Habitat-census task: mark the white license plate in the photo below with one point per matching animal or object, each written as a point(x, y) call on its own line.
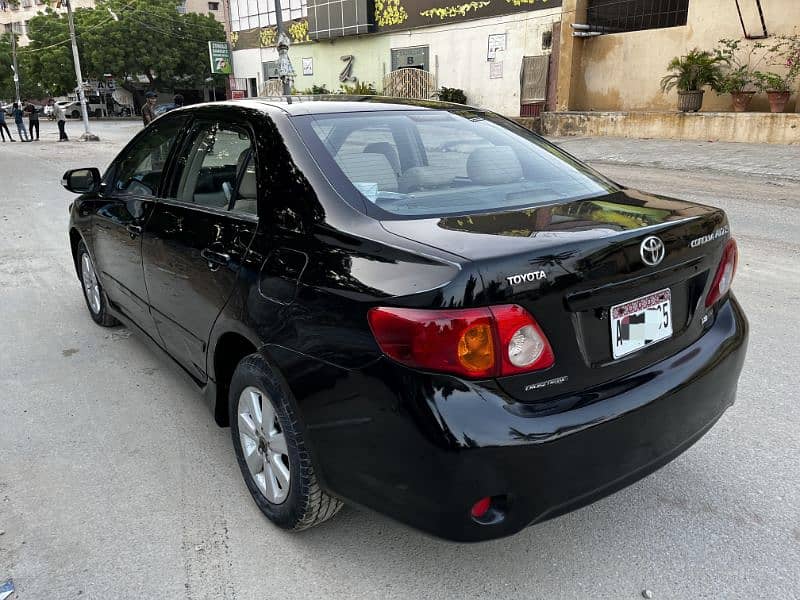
point(640, 323)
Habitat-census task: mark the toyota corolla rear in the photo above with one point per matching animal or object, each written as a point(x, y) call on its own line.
point(597, 339)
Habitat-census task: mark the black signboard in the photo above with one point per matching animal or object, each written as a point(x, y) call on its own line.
point(394, 15)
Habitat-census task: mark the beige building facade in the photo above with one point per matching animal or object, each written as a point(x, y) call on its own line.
point(622, 71)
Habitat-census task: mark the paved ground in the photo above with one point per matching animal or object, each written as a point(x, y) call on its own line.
point(115, 483)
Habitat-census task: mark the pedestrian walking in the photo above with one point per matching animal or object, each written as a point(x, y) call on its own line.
point(61, 119)
point(33, 120)
point(148, 110)
point(18, 115)
point(3, 127)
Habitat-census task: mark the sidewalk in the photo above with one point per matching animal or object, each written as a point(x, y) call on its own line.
point(759, 160)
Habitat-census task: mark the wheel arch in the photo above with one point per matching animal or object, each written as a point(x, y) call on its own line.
point(228, 349)
point(75, 238)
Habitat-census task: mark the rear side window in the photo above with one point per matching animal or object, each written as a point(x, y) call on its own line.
point(435, 163)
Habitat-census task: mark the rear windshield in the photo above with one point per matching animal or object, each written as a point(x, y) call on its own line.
point(433, 163)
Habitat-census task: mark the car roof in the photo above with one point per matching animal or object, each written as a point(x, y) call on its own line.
point(342, 103)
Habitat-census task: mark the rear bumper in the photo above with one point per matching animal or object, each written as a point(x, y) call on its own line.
point(422, 449)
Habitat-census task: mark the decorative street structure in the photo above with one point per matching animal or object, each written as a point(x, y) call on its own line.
point(284, 63)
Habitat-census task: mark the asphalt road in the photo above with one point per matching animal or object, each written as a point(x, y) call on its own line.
point(115, 483)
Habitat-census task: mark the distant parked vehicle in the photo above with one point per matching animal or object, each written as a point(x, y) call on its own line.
point(72, 108)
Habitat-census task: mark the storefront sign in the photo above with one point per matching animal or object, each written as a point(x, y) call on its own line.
point(394, 15)
point(220, 55)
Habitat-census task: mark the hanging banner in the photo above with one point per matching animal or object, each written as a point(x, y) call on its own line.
point(220, 55)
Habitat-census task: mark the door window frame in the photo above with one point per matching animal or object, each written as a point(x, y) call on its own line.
point(172, 174)
point(110, 176)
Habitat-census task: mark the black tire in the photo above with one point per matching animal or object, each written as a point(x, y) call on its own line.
point(306, 505)
point(100, 316)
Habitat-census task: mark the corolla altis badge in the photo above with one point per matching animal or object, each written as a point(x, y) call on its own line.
point(545, 384)
point(523, 277)
point(704, 239)
point(652, 250)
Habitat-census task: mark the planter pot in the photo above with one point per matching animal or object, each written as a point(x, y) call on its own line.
point(741, 100)
point(778, 100)
point(690, 101)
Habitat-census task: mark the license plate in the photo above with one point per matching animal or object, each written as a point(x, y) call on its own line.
point(640, 323)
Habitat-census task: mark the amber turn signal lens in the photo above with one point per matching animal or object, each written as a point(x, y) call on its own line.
point(475, 348)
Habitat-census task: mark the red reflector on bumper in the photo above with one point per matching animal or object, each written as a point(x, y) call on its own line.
point(481, 507)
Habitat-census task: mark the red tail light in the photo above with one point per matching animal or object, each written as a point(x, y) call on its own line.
point(478, 343)
point(725, 272)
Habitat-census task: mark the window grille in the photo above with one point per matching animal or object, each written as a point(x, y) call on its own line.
point(612, 16)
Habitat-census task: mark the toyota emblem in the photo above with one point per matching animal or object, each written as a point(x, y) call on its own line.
point(652, 250)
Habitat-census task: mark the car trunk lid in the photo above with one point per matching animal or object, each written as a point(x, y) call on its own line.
point(568, 264)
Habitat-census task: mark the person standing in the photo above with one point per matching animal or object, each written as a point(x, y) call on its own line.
point(177, 101)
point(3, 127)
point(61, 119)
point(19, 120)
point(33, 120)
point(148, 110)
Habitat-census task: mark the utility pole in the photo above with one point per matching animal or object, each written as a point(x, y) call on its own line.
point(14, 61)
point(87, 136)
point(284, 64)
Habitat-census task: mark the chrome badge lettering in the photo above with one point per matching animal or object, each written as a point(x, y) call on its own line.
point(696, 243)
point(548, 383)
point(526, 277)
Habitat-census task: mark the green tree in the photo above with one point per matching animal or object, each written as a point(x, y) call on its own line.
point(148, 38)
point(28, 87)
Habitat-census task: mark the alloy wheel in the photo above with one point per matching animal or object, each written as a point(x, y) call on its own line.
point(263, 444)
point(91, 287)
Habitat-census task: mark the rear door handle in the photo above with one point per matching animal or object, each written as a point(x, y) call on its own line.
point(134, 230)
point(215, 259)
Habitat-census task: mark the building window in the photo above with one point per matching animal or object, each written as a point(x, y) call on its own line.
point(614, 16)
point(250, 14)
point(213, 6)
point(181, 8)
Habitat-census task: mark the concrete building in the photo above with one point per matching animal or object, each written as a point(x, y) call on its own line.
point(17, 13)
point(484, 50)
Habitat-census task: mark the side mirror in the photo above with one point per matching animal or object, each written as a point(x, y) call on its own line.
point(81, 181)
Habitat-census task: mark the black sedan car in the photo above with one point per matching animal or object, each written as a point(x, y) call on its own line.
point(420, 308)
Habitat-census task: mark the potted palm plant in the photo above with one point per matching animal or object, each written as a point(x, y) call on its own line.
point(690, 74)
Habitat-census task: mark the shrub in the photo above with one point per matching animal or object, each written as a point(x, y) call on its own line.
point(456, 95)
point(738, 65)
point(359, 89)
